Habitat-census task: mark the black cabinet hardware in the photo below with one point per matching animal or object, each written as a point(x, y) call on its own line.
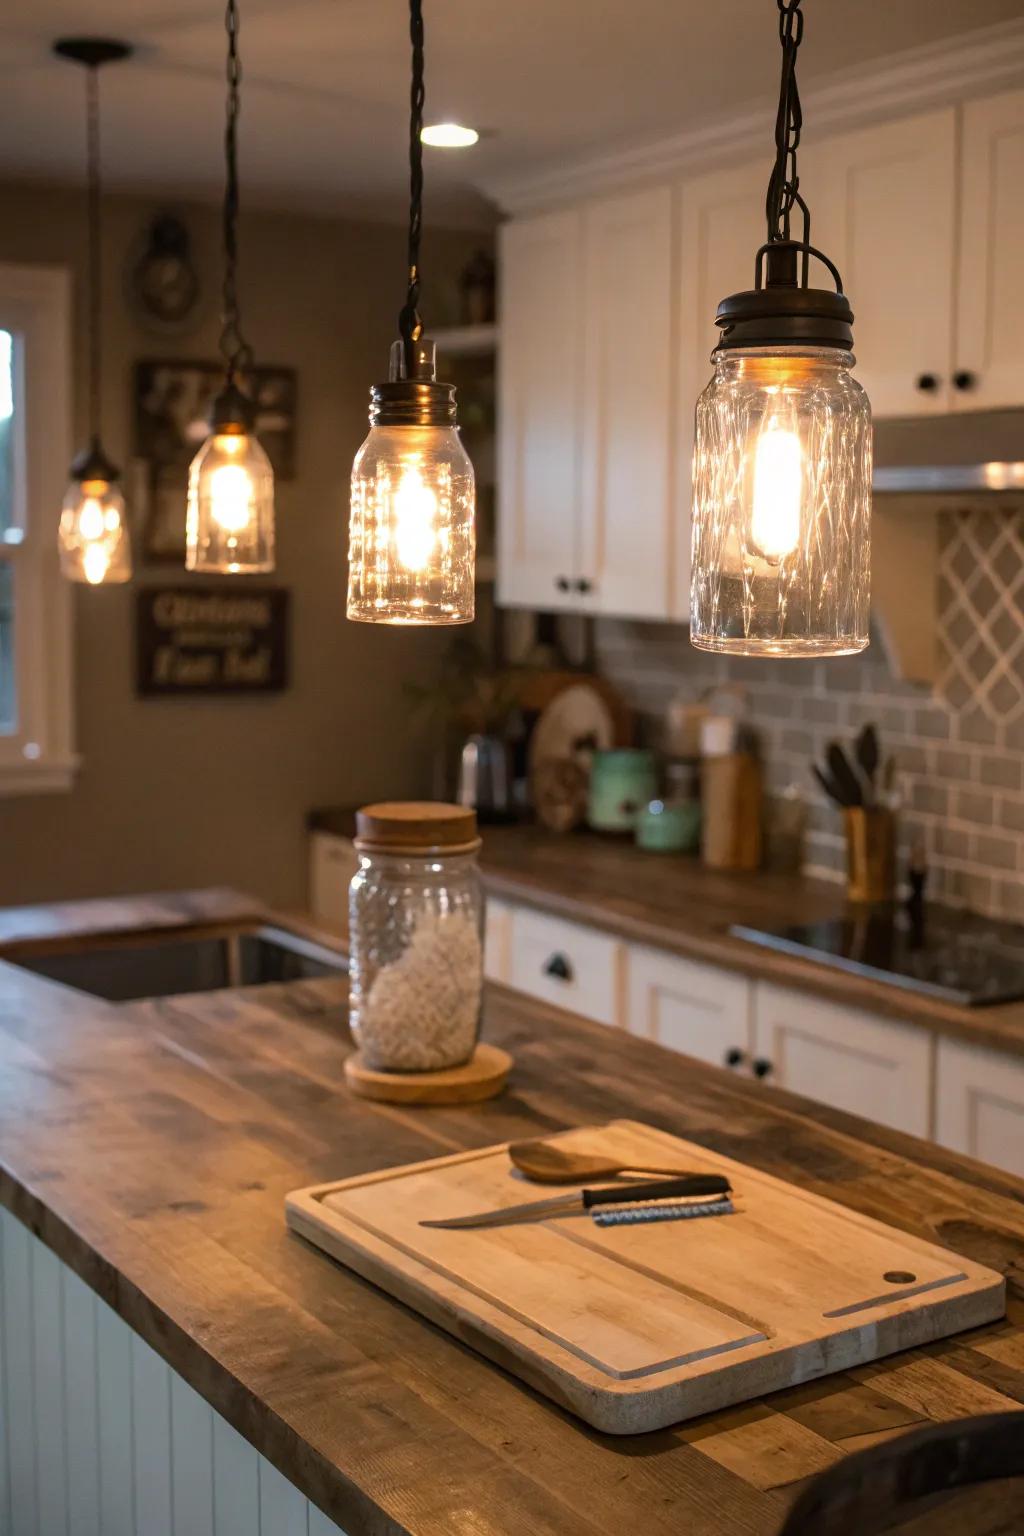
point(734, 1057)
point(558, 966)
point(964, 379)
point(562, 583)
point(762, 1067)
point(928, 382)
point(584, 584)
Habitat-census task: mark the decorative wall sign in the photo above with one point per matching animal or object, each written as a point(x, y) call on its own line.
point(171, 405)
point(211, 639)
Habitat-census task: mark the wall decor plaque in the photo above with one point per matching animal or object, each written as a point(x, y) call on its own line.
point(211, 639)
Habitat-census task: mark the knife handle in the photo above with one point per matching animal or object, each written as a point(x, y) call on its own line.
point(663, 1189)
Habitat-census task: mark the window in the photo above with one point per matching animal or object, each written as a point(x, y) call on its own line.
point(35, 670)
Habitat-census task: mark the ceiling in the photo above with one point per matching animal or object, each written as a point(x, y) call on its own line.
point(326, 87)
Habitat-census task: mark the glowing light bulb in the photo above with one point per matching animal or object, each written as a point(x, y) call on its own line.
point(778, 484)
point(95, 563)
point(91, 521)
point(415, 519)
point(231, 498)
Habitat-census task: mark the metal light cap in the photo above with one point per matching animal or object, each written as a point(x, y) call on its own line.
point(412, 397)
point(232, 410)
point(92, 51)
point(785, 317)
point(92, 464)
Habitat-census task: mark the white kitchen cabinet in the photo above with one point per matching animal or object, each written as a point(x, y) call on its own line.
point(883, 207)
point(628, 527)
point(540, 371)
point(567, 964)
point(699, 1009)
point(332, 863)
point(587, 517)
point(989, 358)
point(979, 1104)
point(853, 1060)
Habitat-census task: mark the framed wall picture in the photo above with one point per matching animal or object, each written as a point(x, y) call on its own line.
point(225, 638)
point(170, 408)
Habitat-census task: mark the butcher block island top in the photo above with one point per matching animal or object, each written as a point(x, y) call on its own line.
point(151, 1145)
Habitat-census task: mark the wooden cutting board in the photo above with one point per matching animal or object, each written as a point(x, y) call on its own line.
point(636, 1327)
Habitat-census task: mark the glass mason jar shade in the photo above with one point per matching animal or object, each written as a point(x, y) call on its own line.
point(781, 505)
point(93, 535)
point(229, 525)
point(412, 532)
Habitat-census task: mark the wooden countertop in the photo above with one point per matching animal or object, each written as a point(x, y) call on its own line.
point(672, 902)
point(151, 1147)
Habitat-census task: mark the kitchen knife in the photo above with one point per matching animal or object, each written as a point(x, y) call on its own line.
point(586, 1199)
point(843, 774)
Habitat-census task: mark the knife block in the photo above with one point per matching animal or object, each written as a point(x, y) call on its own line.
point(731, 799)
point(870, 853)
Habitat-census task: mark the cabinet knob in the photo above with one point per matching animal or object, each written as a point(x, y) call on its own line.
point(964, 379)
point(558, 966)
point(562, 583)
point(734, 1057)
point(584, 584)
point(762, 1066)
point(928, 383)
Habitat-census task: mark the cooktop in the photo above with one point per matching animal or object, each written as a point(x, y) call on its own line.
point(954, 955)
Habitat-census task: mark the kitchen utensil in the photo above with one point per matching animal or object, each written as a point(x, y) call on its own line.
point(689, 1186)
point(867, 754)
point(485, 780)
point(844, 774)
point(679, 1210)
point(834, 791)
point(552, 1162)
point(621, 782)
point(634, 1330)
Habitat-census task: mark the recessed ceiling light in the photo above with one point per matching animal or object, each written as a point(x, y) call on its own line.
point(448, 136)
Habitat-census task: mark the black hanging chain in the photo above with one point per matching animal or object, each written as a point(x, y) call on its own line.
point(784, 186)
point(234, 348)
point(95, 194)
point(410, 326)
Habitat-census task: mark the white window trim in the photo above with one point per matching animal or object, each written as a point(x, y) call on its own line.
point(39, 757)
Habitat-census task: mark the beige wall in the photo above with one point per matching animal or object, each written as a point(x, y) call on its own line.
point(175, 793)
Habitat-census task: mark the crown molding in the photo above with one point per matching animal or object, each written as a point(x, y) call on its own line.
point(988, 60)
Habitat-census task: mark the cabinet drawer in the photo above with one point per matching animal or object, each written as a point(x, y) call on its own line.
point(568, 965)
point(497, 940)
point(690, 1007)
point(979, 1105)
point(845, 1057)
point(332, 863)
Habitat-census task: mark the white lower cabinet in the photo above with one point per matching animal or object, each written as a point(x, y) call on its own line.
point(568, 964)
point(497, 940)
point(841, 1056)
point(332, 863)
point(979, 1104)
point(690, 1007)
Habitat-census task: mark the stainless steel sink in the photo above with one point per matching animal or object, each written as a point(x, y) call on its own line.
point(121, 972)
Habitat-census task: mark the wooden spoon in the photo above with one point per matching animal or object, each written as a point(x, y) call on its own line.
point(547, 1164)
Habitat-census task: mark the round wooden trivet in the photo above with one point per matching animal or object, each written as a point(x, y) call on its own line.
point(481, 1077)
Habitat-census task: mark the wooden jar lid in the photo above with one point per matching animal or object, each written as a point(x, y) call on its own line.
point(416, 827)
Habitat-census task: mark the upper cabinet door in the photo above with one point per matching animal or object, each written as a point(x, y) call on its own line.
point(990, 319)
point(627, 524)
point(540, 369)
point(882, 206)
point(721, 225)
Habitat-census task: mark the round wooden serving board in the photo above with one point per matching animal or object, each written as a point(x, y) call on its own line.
point(481, 1077)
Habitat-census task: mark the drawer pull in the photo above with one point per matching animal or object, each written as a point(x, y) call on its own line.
point(559, 967)
point(762, 1066)
point(734, 1057)
point(927, 383)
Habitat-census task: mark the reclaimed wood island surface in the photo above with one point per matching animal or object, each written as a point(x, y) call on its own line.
point(149, 1147)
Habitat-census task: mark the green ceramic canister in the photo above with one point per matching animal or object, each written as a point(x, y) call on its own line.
point(622, 782)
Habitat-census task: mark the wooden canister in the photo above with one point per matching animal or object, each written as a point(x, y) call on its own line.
point(870, 853)
point(731, 800)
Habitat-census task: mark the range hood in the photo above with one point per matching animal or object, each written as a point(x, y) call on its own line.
point(960, 453)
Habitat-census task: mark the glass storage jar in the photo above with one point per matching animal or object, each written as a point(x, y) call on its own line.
point(416, 919)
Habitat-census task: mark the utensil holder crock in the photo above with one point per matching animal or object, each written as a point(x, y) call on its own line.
point(870, 853)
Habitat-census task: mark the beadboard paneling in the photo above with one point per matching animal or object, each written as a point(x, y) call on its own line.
point(99, 1437)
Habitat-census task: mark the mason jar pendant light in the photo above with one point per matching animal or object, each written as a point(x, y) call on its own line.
point(782, 452)
point(412, 533)
point(229, 526)
point(92, 537)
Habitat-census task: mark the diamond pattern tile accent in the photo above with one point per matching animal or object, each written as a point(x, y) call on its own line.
point(981, 618)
